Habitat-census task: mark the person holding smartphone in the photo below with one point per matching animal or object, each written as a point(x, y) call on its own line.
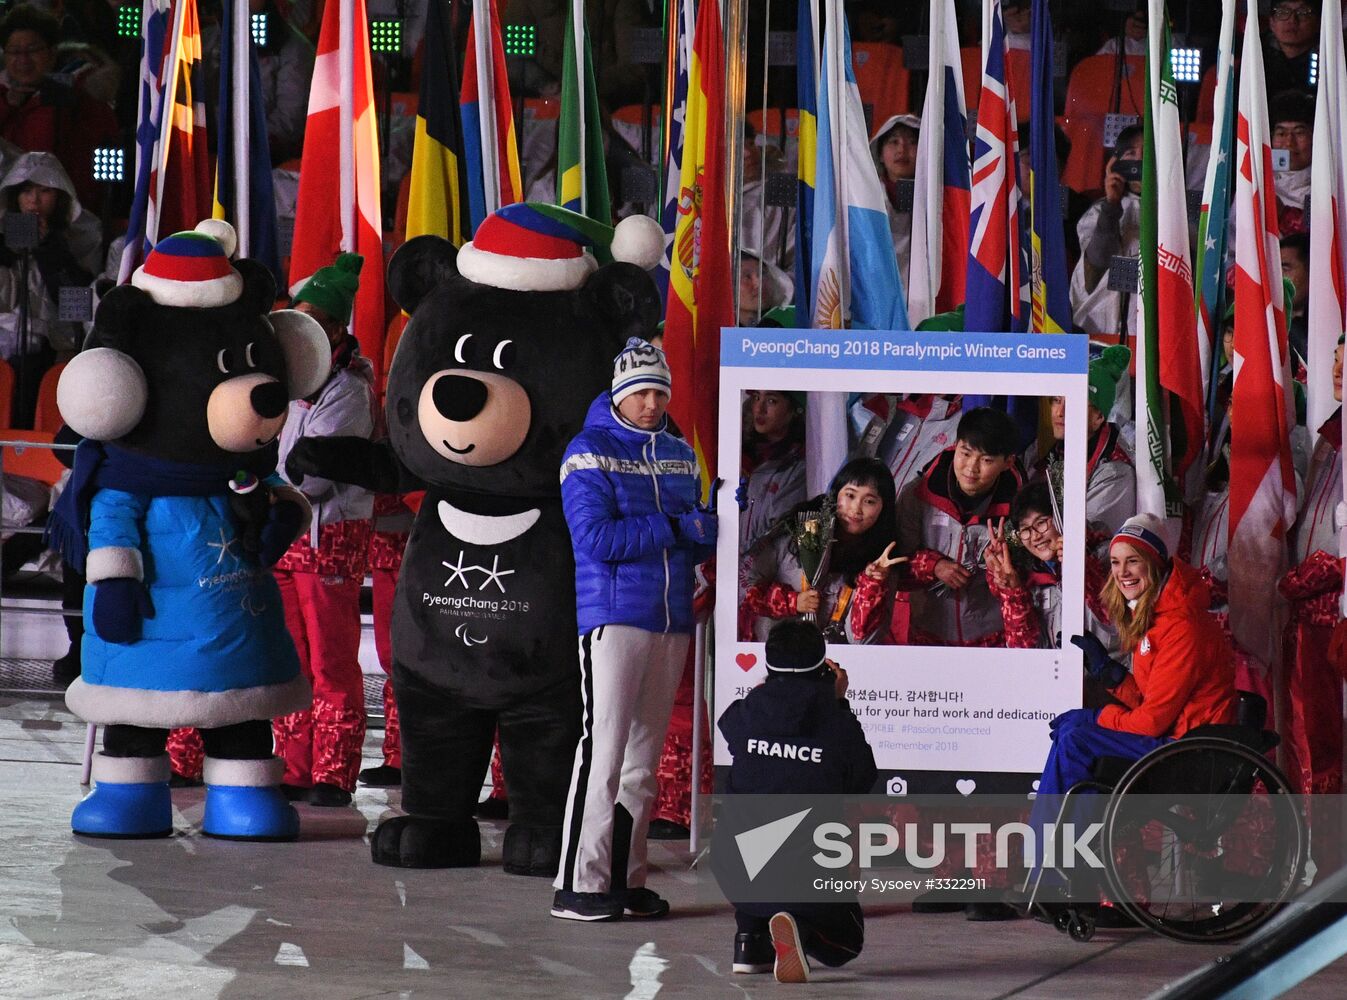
point(1109, 228)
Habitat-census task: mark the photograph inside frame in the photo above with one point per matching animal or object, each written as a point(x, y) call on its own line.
point(940, 521)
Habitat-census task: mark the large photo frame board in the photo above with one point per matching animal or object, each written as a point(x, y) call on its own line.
point(939, 718)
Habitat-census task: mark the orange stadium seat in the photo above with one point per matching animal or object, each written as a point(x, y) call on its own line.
point(48, 417)
point(35, 463)
point(1089, 98)
point(882, 80)
point(1021, 78)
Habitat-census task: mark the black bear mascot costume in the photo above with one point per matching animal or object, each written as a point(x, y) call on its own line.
point(180, 395)
point(510, 339)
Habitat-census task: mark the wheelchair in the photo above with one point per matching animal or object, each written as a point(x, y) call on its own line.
point(1201, 839)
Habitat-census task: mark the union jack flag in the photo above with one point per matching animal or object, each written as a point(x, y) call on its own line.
point(996, 272)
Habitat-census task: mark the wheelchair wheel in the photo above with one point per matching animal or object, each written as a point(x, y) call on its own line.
point(1202, 840)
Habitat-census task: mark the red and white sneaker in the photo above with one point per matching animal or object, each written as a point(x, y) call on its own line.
point(791, 964)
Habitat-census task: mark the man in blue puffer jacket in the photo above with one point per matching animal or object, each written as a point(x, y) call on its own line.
point(630, 491)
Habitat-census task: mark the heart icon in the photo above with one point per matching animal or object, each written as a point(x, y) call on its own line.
point(965, 786)
point(746, 661)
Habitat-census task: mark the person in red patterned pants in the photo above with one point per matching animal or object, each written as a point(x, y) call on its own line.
point(392, 523)
point(321, 575)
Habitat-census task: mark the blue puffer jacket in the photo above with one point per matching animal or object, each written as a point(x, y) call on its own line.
point(216, 651)
point(619, 485)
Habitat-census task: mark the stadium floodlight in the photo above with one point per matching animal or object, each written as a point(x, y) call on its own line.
point(1187, 65)
point(109, 164)
point(258, 24)
point(385, 36)
point(128, 20)
point(520, 40)
point(1314, 69)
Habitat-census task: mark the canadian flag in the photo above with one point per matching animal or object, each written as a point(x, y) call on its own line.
point(1262, 478)
point(322, 229)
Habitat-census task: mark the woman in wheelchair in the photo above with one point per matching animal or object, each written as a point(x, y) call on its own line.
point(1182, 675)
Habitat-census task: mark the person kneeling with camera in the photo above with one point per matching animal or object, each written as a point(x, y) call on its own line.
point(801, 705)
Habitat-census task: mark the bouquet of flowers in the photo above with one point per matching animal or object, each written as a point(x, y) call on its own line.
point(812, 535)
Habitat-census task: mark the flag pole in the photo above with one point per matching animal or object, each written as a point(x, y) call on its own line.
point(486, 101)
point(578, 38)
point(166, 105)
point(346, 123)
point(242, 80)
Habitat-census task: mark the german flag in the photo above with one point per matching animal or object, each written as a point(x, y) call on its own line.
point(435, 204)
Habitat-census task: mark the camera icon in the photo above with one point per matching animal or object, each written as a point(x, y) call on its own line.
point(896, 786)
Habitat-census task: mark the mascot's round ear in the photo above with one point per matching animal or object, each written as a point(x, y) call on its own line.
point(419, 265)
point(101, 394)
point(259, 286)
point(308, 355)
point(627, 297)
point(121, 312)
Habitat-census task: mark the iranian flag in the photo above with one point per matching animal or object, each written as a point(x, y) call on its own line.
point(1169, 399)
point(1262, 479)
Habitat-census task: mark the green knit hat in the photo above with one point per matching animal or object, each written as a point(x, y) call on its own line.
point(332, 289)
point(1104, 373)
point(946, 322)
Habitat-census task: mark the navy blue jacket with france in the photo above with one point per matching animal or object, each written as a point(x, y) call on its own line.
point(792, 735)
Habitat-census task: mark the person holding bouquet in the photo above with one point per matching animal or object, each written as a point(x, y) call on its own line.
point(830, 559)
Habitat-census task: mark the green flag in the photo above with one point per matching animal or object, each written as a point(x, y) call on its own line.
point(582, 179)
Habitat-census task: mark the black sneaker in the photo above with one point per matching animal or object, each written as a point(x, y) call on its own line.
point(753, 953)
point(493, 808)
point(328, 796)
point(666, 829)
point(987, 911)
point(589, 906)
point(644, 903)
point(383, 776)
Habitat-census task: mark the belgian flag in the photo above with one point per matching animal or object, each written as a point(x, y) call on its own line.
point(436, 202)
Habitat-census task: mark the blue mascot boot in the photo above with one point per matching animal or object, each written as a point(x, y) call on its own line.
point(130, 799)
point(244, 801)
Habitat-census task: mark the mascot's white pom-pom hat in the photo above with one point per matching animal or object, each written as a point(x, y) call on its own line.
point(533, 247)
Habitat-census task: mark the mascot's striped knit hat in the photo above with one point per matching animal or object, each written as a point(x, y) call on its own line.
point(532, 247)
point(191, 269)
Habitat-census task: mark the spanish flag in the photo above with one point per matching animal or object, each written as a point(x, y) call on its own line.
point(435, 202)
point(700, 296)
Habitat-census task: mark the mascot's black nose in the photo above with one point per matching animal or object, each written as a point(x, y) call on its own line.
point(269, 399)
point(459, 397)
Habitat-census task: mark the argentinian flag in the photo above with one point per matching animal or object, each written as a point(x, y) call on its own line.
point(855, 281)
